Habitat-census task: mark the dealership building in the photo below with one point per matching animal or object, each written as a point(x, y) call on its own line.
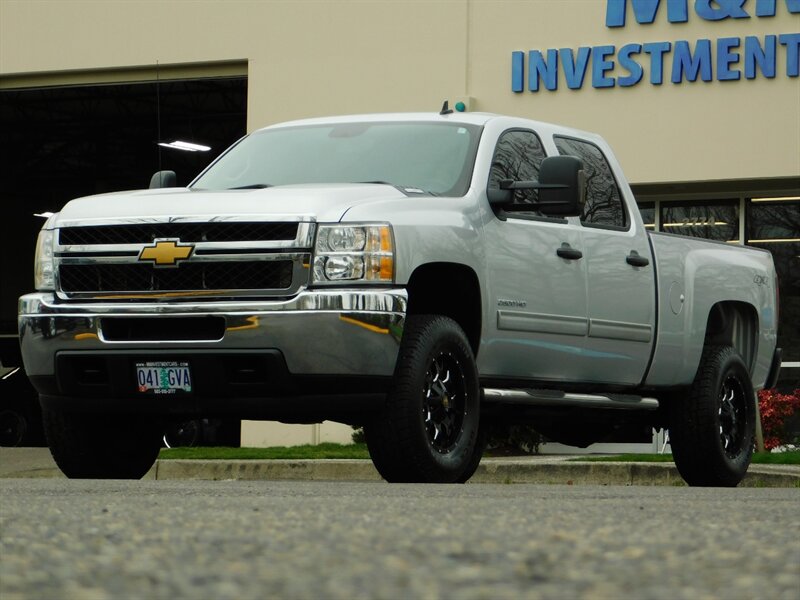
point(699, 99)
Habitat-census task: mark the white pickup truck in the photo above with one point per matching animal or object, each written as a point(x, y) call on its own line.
point(422, 275)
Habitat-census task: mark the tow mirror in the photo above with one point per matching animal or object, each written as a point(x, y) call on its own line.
point(163, 179)
point(564, 186)
point(561, 185)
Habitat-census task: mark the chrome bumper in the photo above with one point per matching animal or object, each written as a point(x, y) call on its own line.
point(353, 332)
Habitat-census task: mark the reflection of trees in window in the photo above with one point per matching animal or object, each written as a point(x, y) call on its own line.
point(717, 220)
point(518, 156)
point(603, 200)
point(773, 221)
point(781, 222)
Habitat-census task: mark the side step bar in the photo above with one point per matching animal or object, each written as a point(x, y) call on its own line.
point(557, 398)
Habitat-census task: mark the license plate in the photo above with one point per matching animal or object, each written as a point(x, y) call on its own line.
point(163, 377)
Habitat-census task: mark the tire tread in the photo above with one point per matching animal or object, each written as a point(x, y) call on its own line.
point(397, 450)
point(694, 423)
point(86, 446)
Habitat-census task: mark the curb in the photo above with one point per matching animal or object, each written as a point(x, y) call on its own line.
point(259, 470)
point(490, 471)
point(37, 463)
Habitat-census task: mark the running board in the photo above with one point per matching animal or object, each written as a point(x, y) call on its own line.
point(557, 398)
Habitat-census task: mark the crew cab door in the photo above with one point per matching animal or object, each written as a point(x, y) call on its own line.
point(620, 275)
point(538, 320)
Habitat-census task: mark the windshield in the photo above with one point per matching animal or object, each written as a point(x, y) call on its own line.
point(419, 158)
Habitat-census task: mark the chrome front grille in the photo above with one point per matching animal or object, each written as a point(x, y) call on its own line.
point(228, 258)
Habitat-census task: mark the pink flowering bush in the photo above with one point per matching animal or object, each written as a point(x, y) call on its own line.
point(776, 409)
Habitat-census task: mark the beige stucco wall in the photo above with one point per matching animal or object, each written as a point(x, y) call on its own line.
point(260, 434)
point(307, 58)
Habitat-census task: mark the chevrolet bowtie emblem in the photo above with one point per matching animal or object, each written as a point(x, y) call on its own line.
point(166, 253)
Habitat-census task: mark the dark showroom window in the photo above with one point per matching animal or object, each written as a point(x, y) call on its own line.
point(774, 225)
point(715, 220)
point(648, 212)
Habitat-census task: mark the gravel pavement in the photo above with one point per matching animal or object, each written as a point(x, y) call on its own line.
point(85, 540)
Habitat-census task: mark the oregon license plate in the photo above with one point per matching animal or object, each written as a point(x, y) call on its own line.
point(163, 377)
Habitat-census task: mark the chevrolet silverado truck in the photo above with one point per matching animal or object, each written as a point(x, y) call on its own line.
point(427, 276)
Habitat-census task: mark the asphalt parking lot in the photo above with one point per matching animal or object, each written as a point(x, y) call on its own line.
point(278, 539)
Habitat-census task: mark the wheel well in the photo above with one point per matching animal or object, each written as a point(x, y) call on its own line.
point(451, 290)
point(734, 324)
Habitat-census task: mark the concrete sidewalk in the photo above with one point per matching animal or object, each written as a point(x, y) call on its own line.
point(37, 462)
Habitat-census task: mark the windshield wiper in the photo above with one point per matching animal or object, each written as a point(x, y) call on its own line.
point(252, 186)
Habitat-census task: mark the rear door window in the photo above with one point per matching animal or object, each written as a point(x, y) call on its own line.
point(604, 206)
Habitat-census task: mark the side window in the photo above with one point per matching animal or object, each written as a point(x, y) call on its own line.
point(604, 204)
point(518, 155)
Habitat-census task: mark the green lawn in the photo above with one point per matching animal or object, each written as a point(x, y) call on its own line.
point(326, 450)
point(329, 450)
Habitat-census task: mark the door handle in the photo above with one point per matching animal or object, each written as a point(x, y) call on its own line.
point(568, 252)
point(635, 260)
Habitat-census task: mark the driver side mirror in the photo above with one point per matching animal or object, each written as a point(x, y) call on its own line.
point(564, 191)
point(561, 185)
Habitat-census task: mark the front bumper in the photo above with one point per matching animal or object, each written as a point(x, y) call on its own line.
point(317, 333)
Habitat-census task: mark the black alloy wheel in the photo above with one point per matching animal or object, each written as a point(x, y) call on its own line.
point(13, 427)
point(445, 399)
point(732, 417)
point(428, 429)
point(183, 433)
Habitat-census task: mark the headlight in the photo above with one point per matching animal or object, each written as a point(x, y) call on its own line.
point(354, 253)
point(43, 270)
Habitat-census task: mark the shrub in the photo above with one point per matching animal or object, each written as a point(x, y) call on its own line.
point(515, 439)
point(358, 435)
point(776, 409)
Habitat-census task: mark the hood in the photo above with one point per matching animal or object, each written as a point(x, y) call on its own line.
point(319, 202)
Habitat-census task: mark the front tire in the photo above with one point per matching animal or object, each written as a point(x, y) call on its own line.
point(87, 446)
point(712, 429)
point(475, 460)
point(428, 429)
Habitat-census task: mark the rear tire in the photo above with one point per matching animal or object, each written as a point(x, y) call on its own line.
point(87, 446)
point(712, 429)
point(183, 434)
point(13, 426)
point(428, 429)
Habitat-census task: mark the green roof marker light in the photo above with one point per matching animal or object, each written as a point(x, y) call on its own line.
point(461, 107)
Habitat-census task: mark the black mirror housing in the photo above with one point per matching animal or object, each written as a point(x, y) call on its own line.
point(563, 186)
point(499, 196)
point(163, 179)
